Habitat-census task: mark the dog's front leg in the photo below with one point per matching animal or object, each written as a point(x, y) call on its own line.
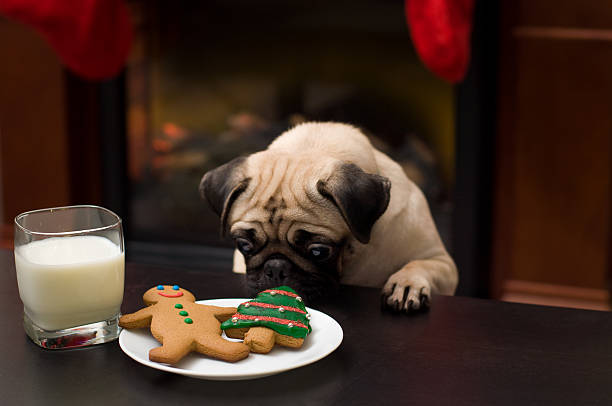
point(410, 288)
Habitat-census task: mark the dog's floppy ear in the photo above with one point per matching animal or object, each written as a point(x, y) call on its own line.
point(220, 187)
point(361, 197)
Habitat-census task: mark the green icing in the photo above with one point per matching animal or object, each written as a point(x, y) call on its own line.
point(183, 313)
point(188, 320)
point(296, 332)
point(178, 306)
point(277, 300)
point(262, 311)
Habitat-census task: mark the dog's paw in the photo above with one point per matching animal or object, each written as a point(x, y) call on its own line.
point(406, 291)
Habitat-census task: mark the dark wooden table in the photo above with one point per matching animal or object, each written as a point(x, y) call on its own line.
point(462, 352)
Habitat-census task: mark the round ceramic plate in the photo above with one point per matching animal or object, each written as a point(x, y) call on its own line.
point(325, 337)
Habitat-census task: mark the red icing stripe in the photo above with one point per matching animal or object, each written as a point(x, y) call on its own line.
point(271, 306)
point(267, 318)
point(281, 292)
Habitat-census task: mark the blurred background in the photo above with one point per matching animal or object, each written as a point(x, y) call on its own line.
point(514, 159)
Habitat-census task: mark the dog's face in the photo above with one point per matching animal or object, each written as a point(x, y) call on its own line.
point(294, 218)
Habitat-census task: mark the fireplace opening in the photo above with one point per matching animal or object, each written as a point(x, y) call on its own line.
point(209, 82)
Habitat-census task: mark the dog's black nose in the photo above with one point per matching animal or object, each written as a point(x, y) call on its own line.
point(277, 269)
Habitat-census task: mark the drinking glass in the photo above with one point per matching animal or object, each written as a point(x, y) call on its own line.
point(70, 265)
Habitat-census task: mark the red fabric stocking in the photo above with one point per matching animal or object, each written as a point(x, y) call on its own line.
point(91, 37)
point(440, 31)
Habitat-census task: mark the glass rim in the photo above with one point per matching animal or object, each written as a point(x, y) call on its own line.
point(59, 233)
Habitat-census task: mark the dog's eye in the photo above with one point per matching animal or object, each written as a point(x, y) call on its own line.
point(319, 252)
point(245, 246)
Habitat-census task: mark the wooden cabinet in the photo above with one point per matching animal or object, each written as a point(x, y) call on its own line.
point(552, 187)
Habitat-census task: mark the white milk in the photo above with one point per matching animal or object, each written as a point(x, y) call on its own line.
point(70, 281)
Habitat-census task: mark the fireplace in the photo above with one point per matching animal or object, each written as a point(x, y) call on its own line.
point(213, 81)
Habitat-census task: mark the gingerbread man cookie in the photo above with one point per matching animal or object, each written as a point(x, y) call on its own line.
point(183, 326)
point(275, 316)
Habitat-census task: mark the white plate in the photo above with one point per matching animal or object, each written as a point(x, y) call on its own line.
point(325, 337)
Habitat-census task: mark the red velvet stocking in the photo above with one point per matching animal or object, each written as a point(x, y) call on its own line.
point(92, 37)
point(440, 31)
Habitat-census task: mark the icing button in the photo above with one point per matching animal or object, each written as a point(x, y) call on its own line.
point(235, 319)
point(176, 287)
point(160, 287)
point(308, 316)
point(290, 325)
point(178, 306)
point(273, 293)
point(281, 309)
point(183, 313)
point(256, 319)
point(247, 304)
point(188, 320)
point(299, 299)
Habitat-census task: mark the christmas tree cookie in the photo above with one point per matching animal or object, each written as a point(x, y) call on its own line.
point(275, 316)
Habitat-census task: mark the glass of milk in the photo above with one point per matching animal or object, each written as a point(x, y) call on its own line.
point(70, 270)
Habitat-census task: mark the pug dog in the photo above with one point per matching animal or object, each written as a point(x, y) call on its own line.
point(321, 206)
